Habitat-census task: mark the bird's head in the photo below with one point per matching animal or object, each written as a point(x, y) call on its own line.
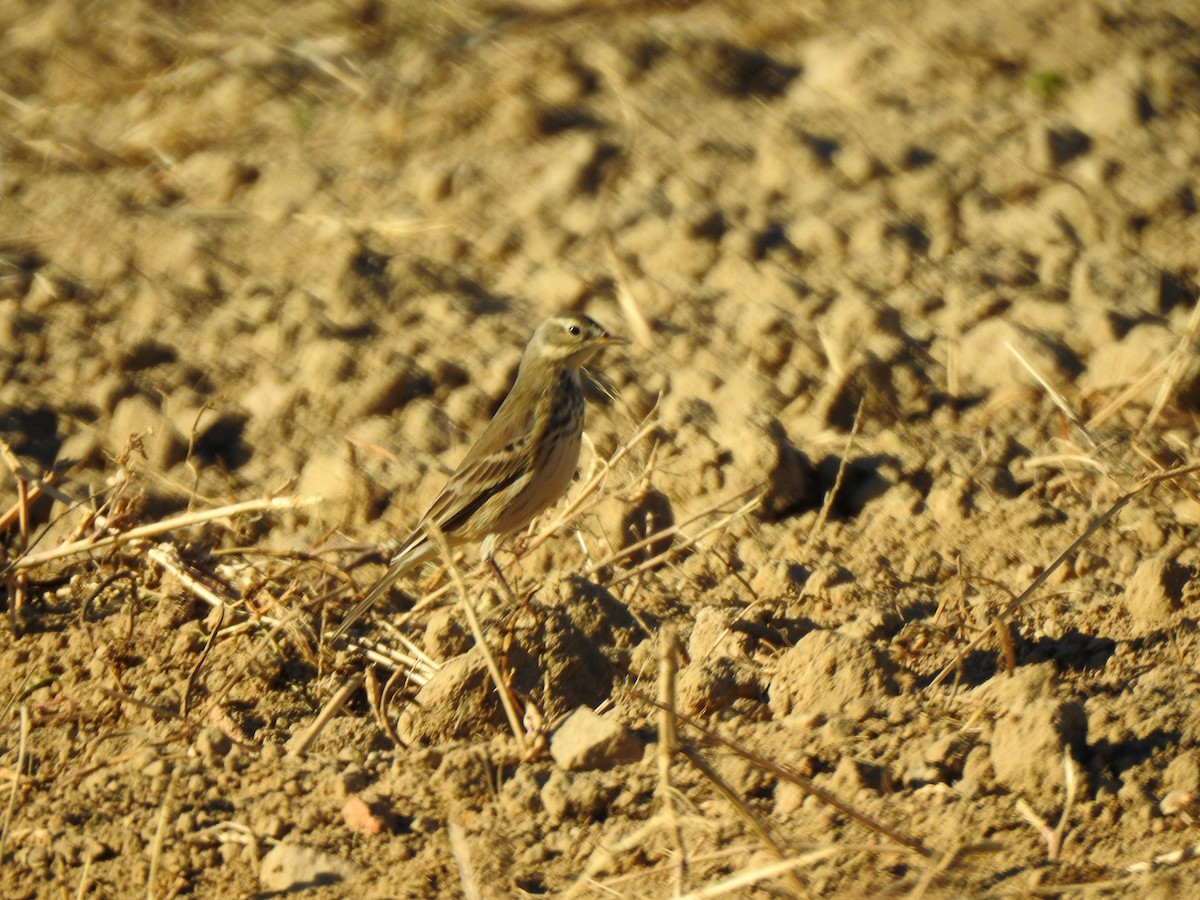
point(569, 340)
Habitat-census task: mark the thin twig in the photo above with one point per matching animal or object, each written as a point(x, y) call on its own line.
point(1184, 351)
point(1058, 399)
point(1053, 836)
point(194, 675)
point(300, 742)
point(831, 495)
point(502, 689)
point(668, 745)
point(160, 832)
point(462, 858)
point(152, 529)
point(687, 544)
point(168, 557)
point(642, 332)
point(1099, 522)
point(16, 782)
point(805, 784)
point(1122, 399)
point(745, 813)
point(731, 884)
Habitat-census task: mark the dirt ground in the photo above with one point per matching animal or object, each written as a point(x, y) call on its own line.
point(911, 288)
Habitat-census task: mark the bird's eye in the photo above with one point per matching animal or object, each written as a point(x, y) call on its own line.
point(573, 329)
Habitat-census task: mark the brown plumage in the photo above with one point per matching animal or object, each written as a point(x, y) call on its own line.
point(521, 463)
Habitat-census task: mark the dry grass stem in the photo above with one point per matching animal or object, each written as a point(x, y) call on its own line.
point(735, 883)
point(805, 784)
point(502, 688)
point(10, 807)
point(154, 529)
point(167, 557)
point(642, 332)
point(194, 675)
point(1131, 391)
point(462, 859)
point(1176, 363)
point(379, 696)
point(1059, 461)
point(85, 878)
point(941, 863)
point(160, 832)
point(742, 808)
point(418, 667)
point(831, 494)
point(668, 745)
point(300, 742)
point(1054, 836)
point(1058, 399)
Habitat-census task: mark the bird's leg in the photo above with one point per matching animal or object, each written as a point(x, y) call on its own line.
point(494, 566)
point(488, 551)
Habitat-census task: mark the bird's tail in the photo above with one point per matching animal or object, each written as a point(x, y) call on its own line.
point(405, 561)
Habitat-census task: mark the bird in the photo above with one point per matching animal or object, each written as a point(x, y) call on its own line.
point(519, 465)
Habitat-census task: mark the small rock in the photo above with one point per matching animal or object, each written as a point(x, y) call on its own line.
point(350, 780)
point(186, 641)
point(825, 670)
point(994, 367)
point(457, 701)
point(852, 775)
point(1183, 773)
point(288, 867)
point(713, 635)
point(715, 683)
point(1114, 365)
point(554, 795)
point(837, 66)
point(93, 850)
point(213, 744)
point(1110, 103)
point(519, 796)
point(364, 817)
point(1176, 802)
point(334, 478)
point(392, 384)
point(1155, 591)
point(1110, 282)
point(210, 179)
point(583, 795)
point(283, 186)
point(446, 636)
point(590, 741)
point(855, 164)
point(763, 454)
point(1028, 743)
point(269, 826)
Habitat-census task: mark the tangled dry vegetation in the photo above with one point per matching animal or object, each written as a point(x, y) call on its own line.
point(879, 574)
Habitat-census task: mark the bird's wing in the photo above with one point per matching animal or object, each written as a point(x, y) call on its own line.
point(499, 459)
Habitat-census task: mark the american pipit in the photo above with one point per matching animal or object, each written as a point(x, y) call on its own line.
point(522, 462)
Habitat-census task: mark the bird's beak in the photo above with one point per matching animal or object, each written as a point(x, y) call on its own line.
point(609, 341)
